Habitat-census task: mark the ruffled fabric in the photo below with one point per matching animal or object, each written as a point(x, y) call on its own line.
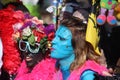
point(92, 65)
point(11, 56)
point(44, 70)
point(58, 75)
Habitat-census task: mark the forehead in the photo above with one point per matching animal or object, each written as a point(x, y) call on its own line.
point(64, 32)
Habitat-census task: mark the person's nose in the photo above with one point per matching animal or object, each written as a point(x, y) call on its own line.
point(55, 40)
point(29, 55)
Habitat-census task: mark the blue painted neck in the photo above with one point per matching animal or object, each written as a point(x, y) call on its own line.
point(66, 62)
point(65, 65)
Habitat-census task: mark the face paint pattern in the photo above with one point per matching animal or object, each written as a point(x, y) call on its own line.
point(61, 44)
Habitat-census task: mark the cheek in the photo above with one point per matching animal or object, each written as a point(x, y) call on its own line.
point(61, 52)
point(24, 54)
point(65, 46)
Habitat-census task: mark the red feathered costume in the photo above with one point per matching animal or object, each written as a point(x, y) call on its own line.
point(11, 56)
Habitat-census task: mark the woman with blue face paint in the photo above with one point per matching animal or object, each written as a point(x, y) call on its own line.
point(62, 47)
point(62, 50)
point(76, 57)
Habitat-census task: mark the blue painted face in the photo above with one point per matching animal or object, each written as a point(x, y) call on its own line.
point(61, 44)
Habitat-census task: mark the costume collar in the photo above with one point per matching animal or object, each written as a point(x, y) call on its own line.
point(44, 70)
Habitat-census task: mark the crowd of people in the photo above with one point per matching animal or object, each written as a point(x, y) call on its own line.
point(33, 47)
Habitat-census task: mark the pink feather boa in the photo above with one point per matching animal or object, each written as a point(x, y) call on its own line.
point(75, 75)
point(44, 70)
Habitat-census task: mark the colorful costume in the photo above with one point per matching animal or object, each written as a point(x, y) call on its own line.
point(11, 58)
point(44, 70)
point(107, 5)
point(88, 65)
point(33, 38)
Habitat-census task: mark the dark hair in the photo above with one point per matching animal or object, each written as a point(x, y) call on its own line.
point(17, 6)
point(73, 21)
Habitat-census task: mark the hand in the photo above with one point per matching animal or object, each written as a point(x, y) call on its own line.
point(105, 73)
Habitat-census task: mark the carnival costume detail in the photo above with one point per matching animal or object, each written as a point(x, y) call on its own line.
point(33, 39)
point(89, 65)
point(42, 71)
point(110, 18)
point(33, 33)
point(11, 58)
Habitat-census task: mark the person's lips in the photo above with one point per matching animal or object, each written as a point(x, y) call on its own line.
point(28, 58)
point(52, 49)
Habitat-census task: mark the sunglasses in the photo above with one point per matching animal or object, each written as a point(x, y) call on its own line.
point(24, 46)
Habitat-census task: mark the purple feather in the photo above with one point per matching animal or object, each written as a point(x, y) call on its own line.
point(49, 28)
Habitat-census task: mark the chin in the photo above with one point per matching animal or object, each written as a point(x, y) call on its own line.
point(55, 55)
point(30, 64)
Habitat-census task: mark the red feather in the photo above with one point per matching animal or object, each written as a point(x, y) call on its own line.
point(11, 56)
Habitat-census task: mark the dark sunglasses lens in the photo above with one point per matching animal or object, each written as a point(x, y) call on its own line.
point(22, 45)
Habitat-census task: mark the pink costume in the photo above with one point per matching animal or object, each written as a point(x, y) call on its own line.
point(44, 70)
point(88, 65)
